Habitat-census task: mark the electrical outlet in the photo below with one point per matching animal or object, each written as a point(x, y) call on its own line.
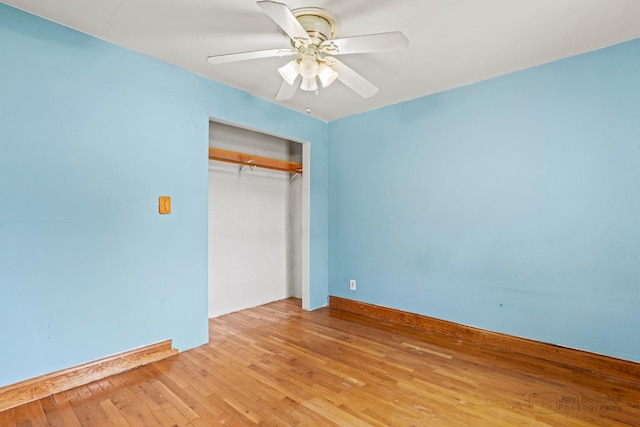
point(352, 285)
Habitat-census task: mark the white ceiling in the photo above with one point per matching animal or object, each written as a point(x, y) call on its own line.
point(451, 42)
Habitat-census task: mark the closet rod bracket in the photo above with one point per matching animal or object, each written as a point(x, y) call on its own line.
point(243, 167)
point(294, 176)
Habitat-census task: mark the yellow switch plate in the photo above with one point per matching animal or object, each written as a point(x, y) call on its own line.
point(164, 204)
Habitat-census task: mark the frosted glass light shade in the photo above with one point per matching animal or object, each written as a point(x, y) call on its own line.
point(326, 74)
point(308, 67)
point(289, 72)
point(309, 84)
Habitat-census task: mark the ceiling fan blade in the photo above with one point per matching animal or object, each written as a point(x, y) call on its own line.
point(382, 42)
point(287, 91)
point(353, 80)
point(243, 56)
point(285, 19)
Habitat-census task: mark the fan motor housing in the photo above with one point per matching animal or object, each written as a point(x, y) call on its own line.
point(319, 24)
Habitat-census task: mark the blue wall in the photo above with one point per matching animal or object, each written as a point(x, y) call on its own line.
point(511, 205)
point(90, 135)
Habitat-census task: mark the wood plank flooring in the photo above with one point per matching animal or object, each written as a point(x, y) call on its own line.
point(277, 365)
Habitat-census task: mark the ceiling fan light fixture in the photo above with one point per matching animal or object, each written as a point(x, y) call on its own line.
point(309, 84)
point(289, 72)
point(326, 74)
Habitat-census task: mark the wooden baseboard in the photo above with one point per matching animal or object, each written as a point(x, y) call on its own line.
point(36, 388)
point(576, 359)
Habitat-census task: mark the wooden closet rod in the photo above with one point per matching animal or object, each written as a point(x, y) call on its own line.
point(244, 159)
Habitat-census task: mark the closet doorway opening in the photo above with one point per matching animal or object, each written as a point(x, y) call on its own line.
point(258, 219)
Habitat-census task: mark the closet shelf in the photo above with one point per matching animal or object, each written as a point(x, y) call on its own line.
point(244, 159)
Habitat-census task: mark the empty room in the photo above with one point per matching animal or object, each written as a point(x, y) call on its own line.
point(320, 213)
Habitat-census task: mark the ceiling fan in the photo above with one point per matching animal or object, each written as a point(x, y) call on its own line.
point(313, 32)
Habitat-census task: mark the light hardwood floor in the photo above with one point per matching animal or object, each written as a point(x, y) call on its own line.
point(278, 365)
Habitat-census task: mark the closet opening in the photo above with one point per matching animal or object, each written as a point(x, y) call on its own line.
point(258, 219)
